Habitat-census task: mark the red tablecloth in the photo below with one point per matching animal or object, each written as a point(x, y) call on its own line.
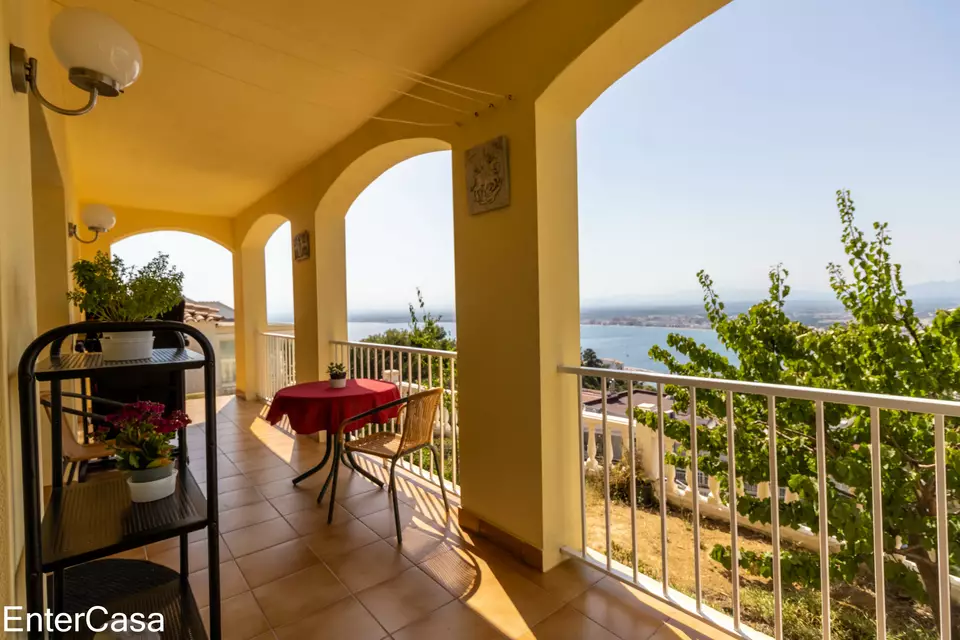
point(314, 406)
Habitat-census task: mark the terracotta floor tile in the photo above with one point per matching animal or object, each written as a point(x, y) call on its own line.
point(239, 498)
point(404, 599)
point(419, 544)
point(568, 624)
point(618, 608)
point(344, 619)
point(350, 483)
point(566, 581)
point(259, 536)
point(498, 593)
point(668, 632)
point(196, 556)
point(275, 562)
point(266, 460)
point(298, 595)
point(337, 539)
point(241, 444)
point(231, 583)
point(315, 519)
point(365, 503)
point(369, 565)
point(383, 522)
point(451, 621)
point(250, 454)
point(299, 500)
point(281, 488)
point(245, 516)
point(170, 543)
point(226, 485)
point(263, 476)
point(240, 618)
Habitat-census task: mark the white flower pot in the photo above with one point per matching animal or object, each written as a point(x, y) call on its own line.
point(127, 345)
point(153, 490)
point(338, 383)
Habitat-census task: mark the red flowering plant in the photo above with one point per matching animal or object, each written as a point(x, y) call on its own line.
point(143, 436)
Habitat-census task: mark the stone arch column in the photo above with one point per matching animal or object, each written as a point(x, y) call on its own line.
point(250, 296)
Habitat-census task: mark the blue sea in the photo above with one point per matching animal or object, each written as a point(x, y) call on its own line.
point(630, 345)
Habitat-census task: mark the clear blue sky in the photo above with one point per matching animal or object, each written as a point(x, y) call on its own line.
point(722, 151)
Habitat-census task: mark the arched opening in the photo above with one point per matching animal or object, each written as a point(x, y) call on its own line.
point(331, 241)
point(278, 261)
point(208, 292)
point(710, 156)
point(399, 234)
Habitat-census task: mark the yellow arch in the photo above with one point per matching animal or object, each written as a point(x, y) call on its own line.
point(131, 222)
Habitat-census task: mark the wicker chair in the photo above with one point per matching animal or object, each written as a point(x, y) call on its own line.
point(416, 418)
point(74, 452)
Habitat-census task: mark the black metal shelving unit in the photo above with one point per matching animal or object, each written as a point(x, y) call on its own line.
point(83, 523)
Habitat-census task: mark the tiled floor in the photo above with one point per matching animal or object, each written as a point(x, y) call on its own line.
point(286, 573)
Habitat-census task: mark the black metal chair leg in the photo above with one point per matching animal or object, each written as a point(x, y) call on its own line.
point(73, 469)
point(309, 472)
point(333, 489)
point(443, 488)
point(396, 506)
point(356, 467)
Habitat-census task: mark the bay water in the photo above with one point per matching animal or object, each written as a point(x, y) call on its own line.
point(627, 344)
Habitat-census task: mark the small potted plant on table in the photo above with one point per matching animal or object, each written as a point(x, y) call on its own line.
point(107, 289)
point(338, 375)
point(143, 448)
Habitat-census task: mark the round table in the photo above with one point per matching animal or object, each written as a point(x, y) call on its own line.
point(316, 406)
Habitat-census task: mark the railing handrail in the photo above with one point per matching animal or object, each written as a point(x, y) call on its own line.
point(833, 396)
point(273, 334)
point(391, 347)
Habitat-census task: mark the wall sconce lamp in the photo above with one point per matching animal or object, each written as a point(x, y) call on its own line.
point(99, 218)
point(101, 56)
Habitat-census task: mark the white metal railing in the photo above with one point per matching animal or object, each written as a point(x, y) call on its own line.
point(413, 370)
point(603, 559)
point(277, 363)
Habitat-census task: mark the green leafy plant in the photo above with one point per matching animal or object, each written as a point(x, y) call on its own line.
point(108, 289)
point(143, 436)
point(336, 371)
point(884, 348)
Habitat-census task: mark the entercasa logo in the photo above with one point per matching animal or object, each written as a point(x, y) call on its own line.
point(96, 619)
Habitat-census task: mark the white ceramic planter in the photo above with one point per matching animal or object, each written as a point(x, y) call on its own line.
point(338, 383)
point(127, 345)
point(153, 490)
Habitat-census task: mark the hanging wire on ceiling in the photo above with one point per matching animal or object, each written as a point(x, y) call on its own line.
point(272, 91)
point(291, 96)
point(397, 70)
point(310, 61)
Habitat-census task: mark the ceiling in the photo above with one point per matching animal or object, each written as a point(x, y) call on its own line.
point(236, 95)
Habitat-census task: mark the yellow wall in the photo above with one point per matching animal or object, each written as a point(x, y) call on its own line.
point(24, 24)
point(131, 222)
point(516, 269)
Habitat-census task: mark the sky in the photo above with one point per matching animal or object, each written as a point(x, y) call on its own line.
point(722, 151)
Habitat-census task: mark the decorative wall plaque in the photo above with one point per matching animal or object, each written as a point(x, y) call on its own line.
point(488, 175)
point(301, 246)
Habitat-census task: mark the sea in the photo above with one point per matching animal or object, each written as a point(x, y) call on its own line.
point(629, 345)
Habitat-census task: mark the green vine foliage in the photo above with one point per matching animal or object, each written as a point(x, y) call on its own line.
point(883, 348)
point(108, 289)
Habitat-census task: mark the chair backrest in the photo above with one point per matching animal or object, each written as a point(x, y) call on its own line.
point(419, 413)
point(72, 449)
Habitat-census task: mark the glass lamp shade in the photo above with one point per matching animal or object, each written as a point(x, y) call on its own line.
point(87, 39)
point(98, 217)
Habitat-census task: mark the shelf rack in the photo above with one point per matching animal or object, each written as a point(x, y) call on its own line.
point(84, 523)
